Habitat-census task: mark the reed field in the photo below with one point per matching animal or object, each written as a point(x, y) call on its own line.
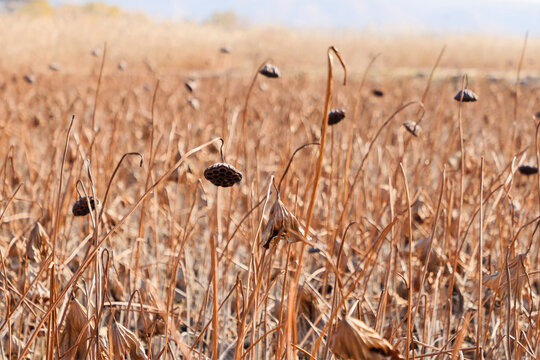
point(359, 239)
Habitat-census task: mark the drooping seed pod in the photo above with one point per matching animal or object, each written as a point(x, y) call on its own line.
point(222, 174)
point(377, 92)
point(335, 116)
point(468, 96)
point(191, 84)
point(270, 71)
point(413, 128)
point(528, 170)
point(80, 208)
point(96, 52)
point(281, 225)
point(29, 78)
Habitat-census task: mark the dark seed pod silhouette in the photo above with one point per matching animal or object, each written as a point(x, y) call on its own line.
point(335, 116)
point(537, 115)
point(413, 128)
point(528, 169)
point(96, 52)
point(468, 96)
point(270, 71)
point(222, 174)
point(80, 208)
point(377, 93)
point(191, 85)
point(29, 78)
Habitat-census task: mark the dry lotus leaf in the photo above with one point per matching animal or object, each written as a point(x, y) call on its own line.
point(123, 341)
point(516, 268)
point(76, 332)
point(281, 225)
point(354, 340)
point(38, 243)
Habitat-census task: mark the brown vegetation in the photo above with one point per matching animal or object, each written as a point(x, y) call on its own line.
point(401, 241)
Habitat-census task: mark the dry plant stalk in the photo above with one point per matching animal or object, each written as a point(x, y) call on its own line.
point(354, 340)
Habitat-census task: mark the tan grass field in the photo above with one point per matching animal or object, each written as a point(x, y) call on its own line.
point(170, 266)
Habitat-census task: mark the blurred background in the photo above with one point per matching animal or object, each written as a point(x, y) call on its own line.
point(510, 17)
point(177, 35)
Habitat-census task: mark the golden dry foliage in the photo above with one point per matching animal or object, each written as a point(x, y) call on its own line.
point(37, 246)
point(354, 340)
point(461, 335)
point(310, 309)
point(76, 331)
point(122, 342)
point(281, 225)
point(309, 303)
point(516, 268)
point(152, 321)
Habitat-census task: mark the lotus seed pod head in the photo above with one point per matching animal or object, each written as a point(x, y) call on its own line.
point(80, 208)
point(528, 170)
point(270, 71)
point(191, 85)
point(335, 116)
point(413, 128)
point(221, 174)
point(468, 96)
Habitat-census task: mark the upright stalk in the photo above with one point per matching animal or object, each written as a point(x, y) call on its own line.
point(478, 354)
point(324, 127)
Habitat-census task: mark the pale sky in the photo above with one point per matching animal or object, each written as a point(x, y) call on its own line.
point(512, 17)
